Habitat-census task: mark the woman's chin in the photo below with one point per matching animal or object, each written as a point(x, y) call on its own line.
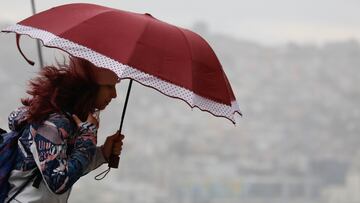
point(101, 107)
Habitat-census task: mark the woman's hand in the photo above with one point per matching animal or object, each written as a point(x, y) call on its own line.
point(90, 119)
point(87, 128)
point(113, 145)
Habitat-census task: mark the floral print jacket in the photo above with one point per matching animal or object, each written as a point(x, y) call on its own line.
point(62, 151)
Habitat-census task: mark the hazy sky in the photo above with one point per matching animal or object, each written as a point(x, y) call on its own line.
point(265, 21)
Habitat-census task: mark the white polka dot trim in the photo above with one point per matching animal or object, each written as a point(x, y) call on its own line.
point(124, 71)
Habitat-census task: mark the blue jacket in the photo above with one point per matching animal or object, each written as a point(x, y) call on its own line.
point(62, 151)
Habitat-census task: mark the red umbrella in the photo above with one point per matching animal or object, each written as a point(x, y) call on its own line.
point(170, 59)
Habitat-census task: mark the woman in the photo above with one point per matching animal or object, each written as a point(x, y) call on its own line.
point(59, 130)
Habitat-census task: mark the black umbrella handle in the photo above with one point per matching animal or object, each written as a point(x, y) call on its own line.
point(114, 159)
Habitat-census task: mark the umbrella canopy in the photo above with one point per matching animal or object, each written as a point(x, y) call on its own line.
point(175, 61)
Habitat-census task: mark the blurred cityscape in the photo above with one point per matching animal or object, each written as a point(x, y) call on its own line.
point(298, 141)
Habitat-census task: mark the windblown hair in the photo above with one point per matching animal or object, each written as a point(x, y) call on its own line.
point(62, 88)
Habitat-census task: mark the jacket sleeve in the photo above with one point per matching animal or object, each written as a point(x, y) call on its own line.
point(98, 160)
point(59, 169)
point(17, 119)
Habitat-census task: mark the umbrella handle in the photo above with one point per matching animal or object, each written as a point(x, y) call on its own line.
point(114, 159)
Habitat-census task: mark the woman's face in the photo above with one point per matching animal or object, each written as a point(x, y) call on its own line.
point(105, 94)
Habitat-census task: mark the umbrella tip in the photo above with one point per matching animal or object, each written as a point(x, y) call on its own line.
point(18, 46)
point(148, 14)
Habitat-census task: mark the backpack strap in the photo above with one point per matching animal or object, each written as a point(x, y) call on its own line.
point(35, 175)
point(38, 179)
point(2, 131)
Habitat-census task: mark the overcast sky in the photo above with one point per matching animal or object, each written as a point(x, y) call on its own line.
point(264, 21)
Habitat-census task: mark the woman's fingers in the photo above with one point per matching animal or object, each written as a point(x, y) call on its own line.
point(90, 119)
point(76, 119)
point(117, 143)
point(113, 145)
point(117, 147)
point(118, 137)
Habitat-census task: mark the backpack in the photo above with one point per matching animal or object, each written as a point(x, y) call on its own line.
point(8, 152)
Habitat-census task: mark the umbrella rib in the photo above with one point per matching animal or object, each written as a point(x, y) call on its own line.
point(87, 19)
point(137, 41)
point(191, 57)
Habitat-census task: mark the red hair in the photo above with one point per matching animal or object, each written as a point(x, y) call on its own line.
point(65, 88)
